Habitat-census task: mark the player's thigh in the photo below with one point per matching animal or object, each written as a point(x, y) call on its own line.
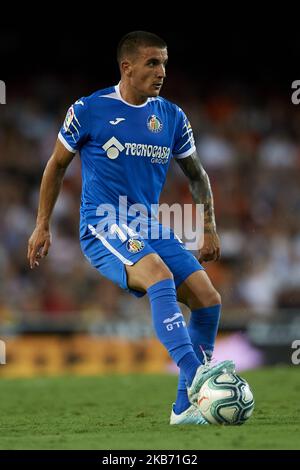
point(147, 271)
point(181, 262)
point(197, 291)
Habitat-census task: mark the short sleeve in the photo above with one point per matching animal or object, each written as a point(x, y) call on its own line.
point(75, 129)
point(184, 143)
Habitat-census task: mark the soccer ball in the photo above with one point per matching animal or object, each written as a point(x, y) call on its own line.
point(226, 398)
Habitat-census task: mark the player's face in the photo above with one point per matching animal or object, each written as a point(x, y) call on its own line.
point(148, 71)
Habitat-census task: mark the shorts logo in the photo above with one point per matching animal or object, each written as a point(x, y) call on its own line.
point(154, 124)
point(134, 246)
point(69, 118)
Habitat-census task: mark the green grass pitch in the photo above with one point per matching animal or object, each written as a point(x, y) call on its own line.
point(132, 412)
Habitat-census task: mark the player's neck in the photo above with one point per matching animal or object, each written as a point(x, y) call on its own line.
point(131, 96)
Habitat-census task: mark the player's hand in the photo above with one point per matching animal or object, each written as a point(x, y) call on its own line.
point(38, 245)
point(210, 251)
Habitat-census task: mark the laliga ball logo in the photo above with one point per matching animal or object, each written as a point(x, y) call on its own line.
point(154, 124)
point(226, 398)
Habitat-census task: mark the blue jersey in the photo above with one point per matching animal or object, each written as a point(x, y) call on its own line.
point(125, 149)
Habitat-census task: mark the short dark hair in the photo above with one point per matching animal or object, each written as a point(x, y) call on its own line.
point(130, 43)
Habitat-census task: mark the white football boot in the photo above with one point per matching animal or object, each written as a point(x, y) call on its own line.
point(190, 416)
point(203, 373)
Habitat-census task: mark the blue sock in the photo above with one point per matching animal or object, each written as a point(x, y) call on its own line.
point(203, 329)
point(170, 327)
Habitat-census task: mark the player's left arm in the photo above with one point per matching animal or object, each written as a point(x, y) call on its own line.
point(202, 194)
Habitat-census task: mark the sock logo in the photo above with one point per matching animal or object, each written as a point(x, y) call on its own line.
point(170, 322)
point(177, 315)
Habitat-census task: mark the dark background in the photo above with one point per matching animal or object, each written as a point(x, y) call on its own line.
point(265, 56)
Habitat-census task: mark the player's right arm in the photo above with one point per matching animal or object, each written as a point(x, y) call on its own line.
point(40, 240)
point(72, 136)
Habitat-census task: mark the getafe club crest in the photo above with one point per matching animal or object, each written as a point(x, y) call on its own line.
point(134, 246)
point(154, 124)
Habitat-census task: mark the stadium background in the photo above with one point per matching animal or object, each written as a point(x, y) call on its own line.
point(63, 317)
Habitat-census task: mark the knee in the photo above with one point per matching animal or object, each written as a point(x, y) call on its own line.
point(148, 271)
point(205, 299)
point(213, 298)
point(158, 272)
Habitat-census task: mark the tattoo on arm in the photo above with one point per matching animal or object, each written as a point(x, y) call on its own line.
point(200, 188)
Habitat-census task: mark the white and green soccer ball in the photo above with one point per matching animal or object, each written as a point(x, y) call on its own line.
point(226, 398)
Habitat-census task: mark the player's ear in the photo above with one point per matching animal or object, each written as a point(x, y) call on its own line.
point(126, 67)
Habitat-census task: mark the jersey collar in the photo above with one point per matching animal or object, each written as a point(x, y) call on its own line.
point(117, 89)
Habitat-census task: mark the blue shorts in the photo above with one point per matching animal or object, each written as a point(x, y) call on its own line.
point(109, 256)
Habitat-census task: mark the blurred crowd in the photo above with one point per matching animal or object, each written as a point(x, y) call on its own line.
point(249, 143)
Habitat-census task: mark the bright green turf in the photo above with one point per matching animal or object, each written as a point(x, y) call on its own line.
point(132, 412)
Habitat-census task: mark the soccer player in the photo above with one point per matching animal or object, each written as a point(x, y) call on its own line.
point(126, 136)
